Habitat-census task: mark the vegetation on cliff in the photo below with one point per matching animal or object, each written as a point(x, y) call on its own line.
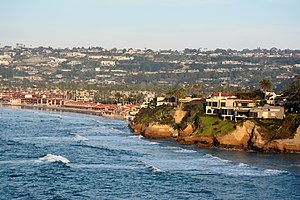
point(189, 125)
point(212, 125)
point(161, 115)
point(278, 129)
point(201, 124)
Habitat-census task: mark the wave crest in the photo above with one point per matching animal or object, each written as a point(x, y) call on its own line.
point(80, 138)
point(54, 158)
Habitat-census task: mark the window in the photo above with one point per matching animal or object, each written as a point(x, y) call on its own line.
point(209, 111)
point(223, 104)
point(209, 103)
point(215, 104)
point(253, 114)
point(244, 104)
point(216, 111)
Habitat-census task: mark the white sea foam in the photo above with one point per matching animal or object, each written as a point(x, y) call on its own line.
point(216, 158)
point(54, 158)
point(152, 143)
point(185, 151)
point(136, 136)
point(243, 165)
point(140, 136)
point(154, 168)
point(274, 171)
point(103, 166)
point(242, 169)
point(80, 138)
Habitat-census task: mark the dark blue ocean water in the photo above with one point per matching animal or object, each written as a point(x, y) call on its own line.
point(106, 161)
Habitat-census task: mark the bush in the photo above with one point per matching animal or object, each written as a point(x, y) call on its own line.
point(160, 114)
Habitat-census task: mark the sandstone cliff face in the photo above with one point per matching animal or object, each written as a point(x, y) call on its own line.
point(238, 138)
point(247, 135)
point(201, 141)
point(159, 131)
point(286, 145)
point(188, 131)
point(179, 115)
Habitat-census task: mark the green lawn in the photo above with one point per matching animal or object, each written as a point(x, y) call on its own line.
point(212, 125)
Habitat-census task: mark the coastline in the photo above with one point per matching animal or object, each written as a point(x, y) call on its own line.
point(234, 140)
point(62, 109)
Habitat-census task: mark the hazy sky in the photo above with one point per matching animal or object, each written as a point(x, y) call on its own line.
point(157, 24)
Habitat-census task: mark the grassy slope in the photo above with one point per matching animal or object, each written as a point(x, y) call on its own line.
point(161, 115)
point(213, 125)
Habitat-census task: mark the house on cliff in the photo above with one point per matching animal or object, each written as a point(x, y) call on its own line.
point(229, 106)
point(267, 112)
point(166, 101)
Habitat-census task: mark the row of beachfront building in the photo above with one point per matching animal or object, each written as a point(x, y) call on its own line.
point(224, 105)
point(229, 106)
point(119, 111)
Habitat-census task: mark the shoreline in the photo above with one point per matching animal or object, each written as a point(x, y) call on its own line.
point(119, 117)
point(63, 109)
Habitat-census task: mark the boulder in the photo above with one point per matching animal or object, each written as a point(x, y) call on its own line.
point(188, 131)
point(197, 140)
point(157, 131)
point(239, 138)
point(285, 145)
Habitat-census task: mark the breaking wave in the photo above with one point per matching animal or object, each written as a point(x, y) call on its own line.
point(154, 168)
point(185, 151)
point(54, 158)
point(80, 138)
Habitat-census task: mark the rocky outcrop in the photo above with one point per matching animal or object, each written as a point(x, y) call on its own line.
point(247, 135)
point(137, 128)
point(201, 141)
point(179, 115)
point(239, 138)
point(157, 131)
point(285, 145)
point(188, 131)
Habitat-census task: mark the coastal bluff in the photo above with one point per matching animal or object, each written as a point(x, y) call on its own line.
point(248, 134)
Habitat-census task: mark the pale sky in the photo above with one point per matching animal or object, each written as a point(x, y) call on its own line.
point(156, 24)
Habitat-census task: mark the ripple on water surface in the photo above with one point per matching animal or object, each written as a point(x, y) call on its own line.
point(48, 155)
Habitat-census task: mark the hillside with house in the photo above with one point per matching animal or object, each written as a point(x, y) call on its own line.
point(224, 120)
point(100, 69)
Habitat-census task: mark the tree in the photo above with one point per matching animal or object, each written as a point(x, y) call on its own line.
point(293, 94)
point(265, 85)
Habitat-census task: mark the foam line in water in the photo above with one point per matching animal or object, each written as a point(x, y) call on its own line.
point(185, 151)
point(216, 158)
point(152, 143)
point(136, 136)
point(274, 171)
point(54, 158)
point(80, 138)
point(154, 168)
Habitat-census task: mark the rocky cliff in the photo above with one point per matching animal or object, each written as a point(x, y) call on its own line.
point(247, 135)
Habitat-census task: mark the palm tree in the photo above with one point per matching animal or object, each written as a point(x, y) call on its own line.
point(265, 85)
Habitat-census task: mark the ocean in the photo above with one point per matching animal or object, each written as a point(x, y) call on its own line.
point(59, 155)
